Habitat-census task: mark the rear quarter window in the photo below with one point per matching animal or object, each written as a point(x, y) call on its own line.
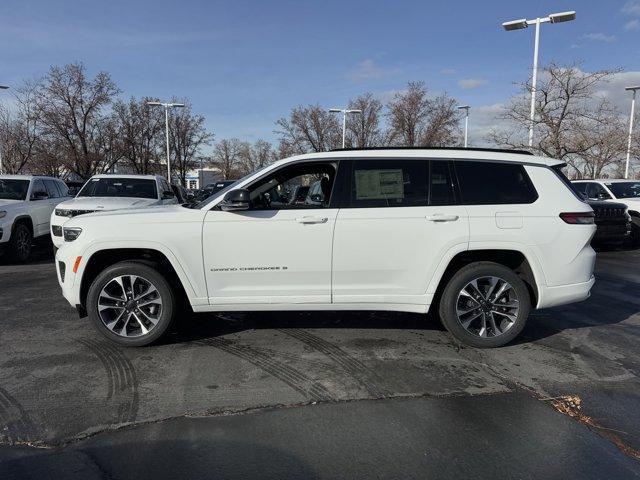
point(494, 183)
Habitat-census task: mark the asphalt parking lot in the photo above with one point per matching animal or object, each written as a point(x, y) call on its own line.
point(317, 395)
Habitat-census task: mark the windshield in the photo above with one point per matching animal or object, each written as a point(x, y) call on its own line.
point(625, 189)
point(13, 189)
point(119, 187)
point(226, 189)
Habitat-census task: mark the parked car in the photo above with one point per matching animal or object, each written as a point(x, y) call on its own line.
point(613, 223)
point(74, 187)
point(616, 190)
point(26, 203)
point(214, 187)
point(481, 236)
point(183, 196)
point(102, 193)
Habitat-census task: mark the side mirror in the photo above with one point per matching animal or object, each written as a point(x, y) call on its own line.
point(235, 200)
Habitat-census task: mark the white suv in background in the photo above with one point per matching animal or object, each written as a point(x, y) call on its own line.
point(26, 203)
point(481, 236)
point(112, 192)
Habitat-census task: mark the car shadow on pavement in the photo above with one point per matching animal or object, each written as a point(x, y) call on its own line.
point(191, 327)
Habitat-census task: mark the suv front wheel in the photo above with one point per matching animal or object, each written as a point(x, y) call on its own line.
point(131, 304)
point(485, 305)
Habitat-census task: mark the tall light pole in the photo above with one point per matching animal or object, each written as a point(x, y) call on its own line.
point(633, 107)
point(466, 122)
point(524, 23)
point(344, 111)
point(166, 106)
point(2, 87)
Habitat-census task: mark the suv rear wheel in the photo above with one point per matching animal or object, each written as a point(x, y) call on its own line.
point(485, 305)
point(20, 243)
point(131, 304)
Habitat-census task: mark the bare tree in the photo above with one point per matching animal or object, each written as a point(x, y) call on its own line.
point(441, 129)
point(141, 130)
point(253, 157)
point(571, 122)
point(227, 157)
point(187, 136)
point(417, 120)
point(407, 113)
point(309, 129)
point(71, 108)
point(364, 129)
point(19, 129)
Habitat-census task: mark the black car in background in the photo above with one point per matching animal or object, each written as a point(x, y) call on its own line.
point(613, 222)
point(212, 188)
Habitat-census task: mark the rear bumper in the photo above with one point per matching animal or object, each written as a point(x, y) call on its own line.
point(563, 294)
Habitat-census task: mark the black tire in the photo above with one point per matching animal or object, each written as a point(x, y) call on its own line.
point(20, 243)
point(148, 274)
point(450, 298)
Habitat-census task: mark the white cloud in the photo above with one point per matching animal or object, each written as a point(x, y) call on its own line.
point(631, 8)
point(600, 37)
point(614, 89)
point(632, 25)
point(469, 83)
point(368, 70)
point(447, 71)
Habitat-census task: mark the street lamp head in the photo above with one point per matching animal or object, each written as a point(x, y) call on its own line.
point(3, 87)
point(515, 24)
point(637, 87)
point(354, 111)
point(155, 104)
point(180, 105)
point(335, 110)
point(562, 17)
point(463, 107)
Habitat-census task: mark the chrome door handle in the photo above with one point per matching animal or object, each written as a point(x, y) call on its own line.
point(439, 217)
point(312, 220)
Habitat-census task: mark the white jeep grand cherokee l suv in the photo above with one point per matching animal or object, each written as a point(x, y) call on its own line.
point(481, 236)
point(26, 203)
point(107, 192)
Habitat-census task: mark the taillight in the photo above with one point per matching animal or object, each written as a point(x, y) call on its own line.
point(578, 218)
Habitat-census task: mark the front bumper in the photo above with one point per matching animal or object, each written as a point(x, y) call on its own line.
point(612, 232)
point(68, 280)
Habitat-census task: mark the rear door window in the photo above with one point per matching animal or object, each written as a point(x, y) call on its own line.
point(51, 187)
point(389, 183)
point(493, 183)
point(441, 190)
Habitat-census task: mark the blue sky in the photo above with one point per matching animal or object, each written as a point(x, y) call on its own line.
point(244, 64)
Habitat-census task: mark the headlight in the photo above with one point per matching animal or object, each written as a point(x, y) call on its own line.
point(3, 213)
point(71, 233)
point(63, 213)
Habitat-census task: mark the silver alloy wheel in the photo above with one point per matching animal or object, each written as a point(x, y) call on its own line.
point(129, 305)
point(487, 307)
point(23, 245)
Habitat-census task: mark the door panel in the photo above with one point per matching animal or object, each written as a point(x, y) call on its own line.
point(390, 254)
point(269, 256)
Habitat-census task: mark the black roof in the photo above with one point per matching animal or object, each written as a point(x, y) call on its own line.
point(473, 149)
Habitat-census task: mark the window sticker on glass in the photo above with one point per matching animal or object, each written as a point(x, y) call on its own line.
point(379, 184)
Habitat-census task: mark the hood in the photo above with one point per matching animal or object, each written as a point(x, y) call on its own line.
point(129, 212)
point(4, 203)
point(105, 203)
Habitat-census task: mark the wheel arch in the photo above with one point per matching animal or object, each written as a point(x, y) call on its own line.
point(511, 258)
point(104, 258)
point(26, 219)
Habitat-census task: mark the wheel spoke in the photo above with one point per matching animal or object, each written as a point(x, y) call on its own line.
point(142, 327)
point(474, 287)
point(111, 325)
point(493, 283)
point(494, 326)
point(468, 321)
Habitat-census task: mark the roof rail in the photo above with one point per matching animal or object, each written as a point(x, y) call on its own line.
point(473, 149)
